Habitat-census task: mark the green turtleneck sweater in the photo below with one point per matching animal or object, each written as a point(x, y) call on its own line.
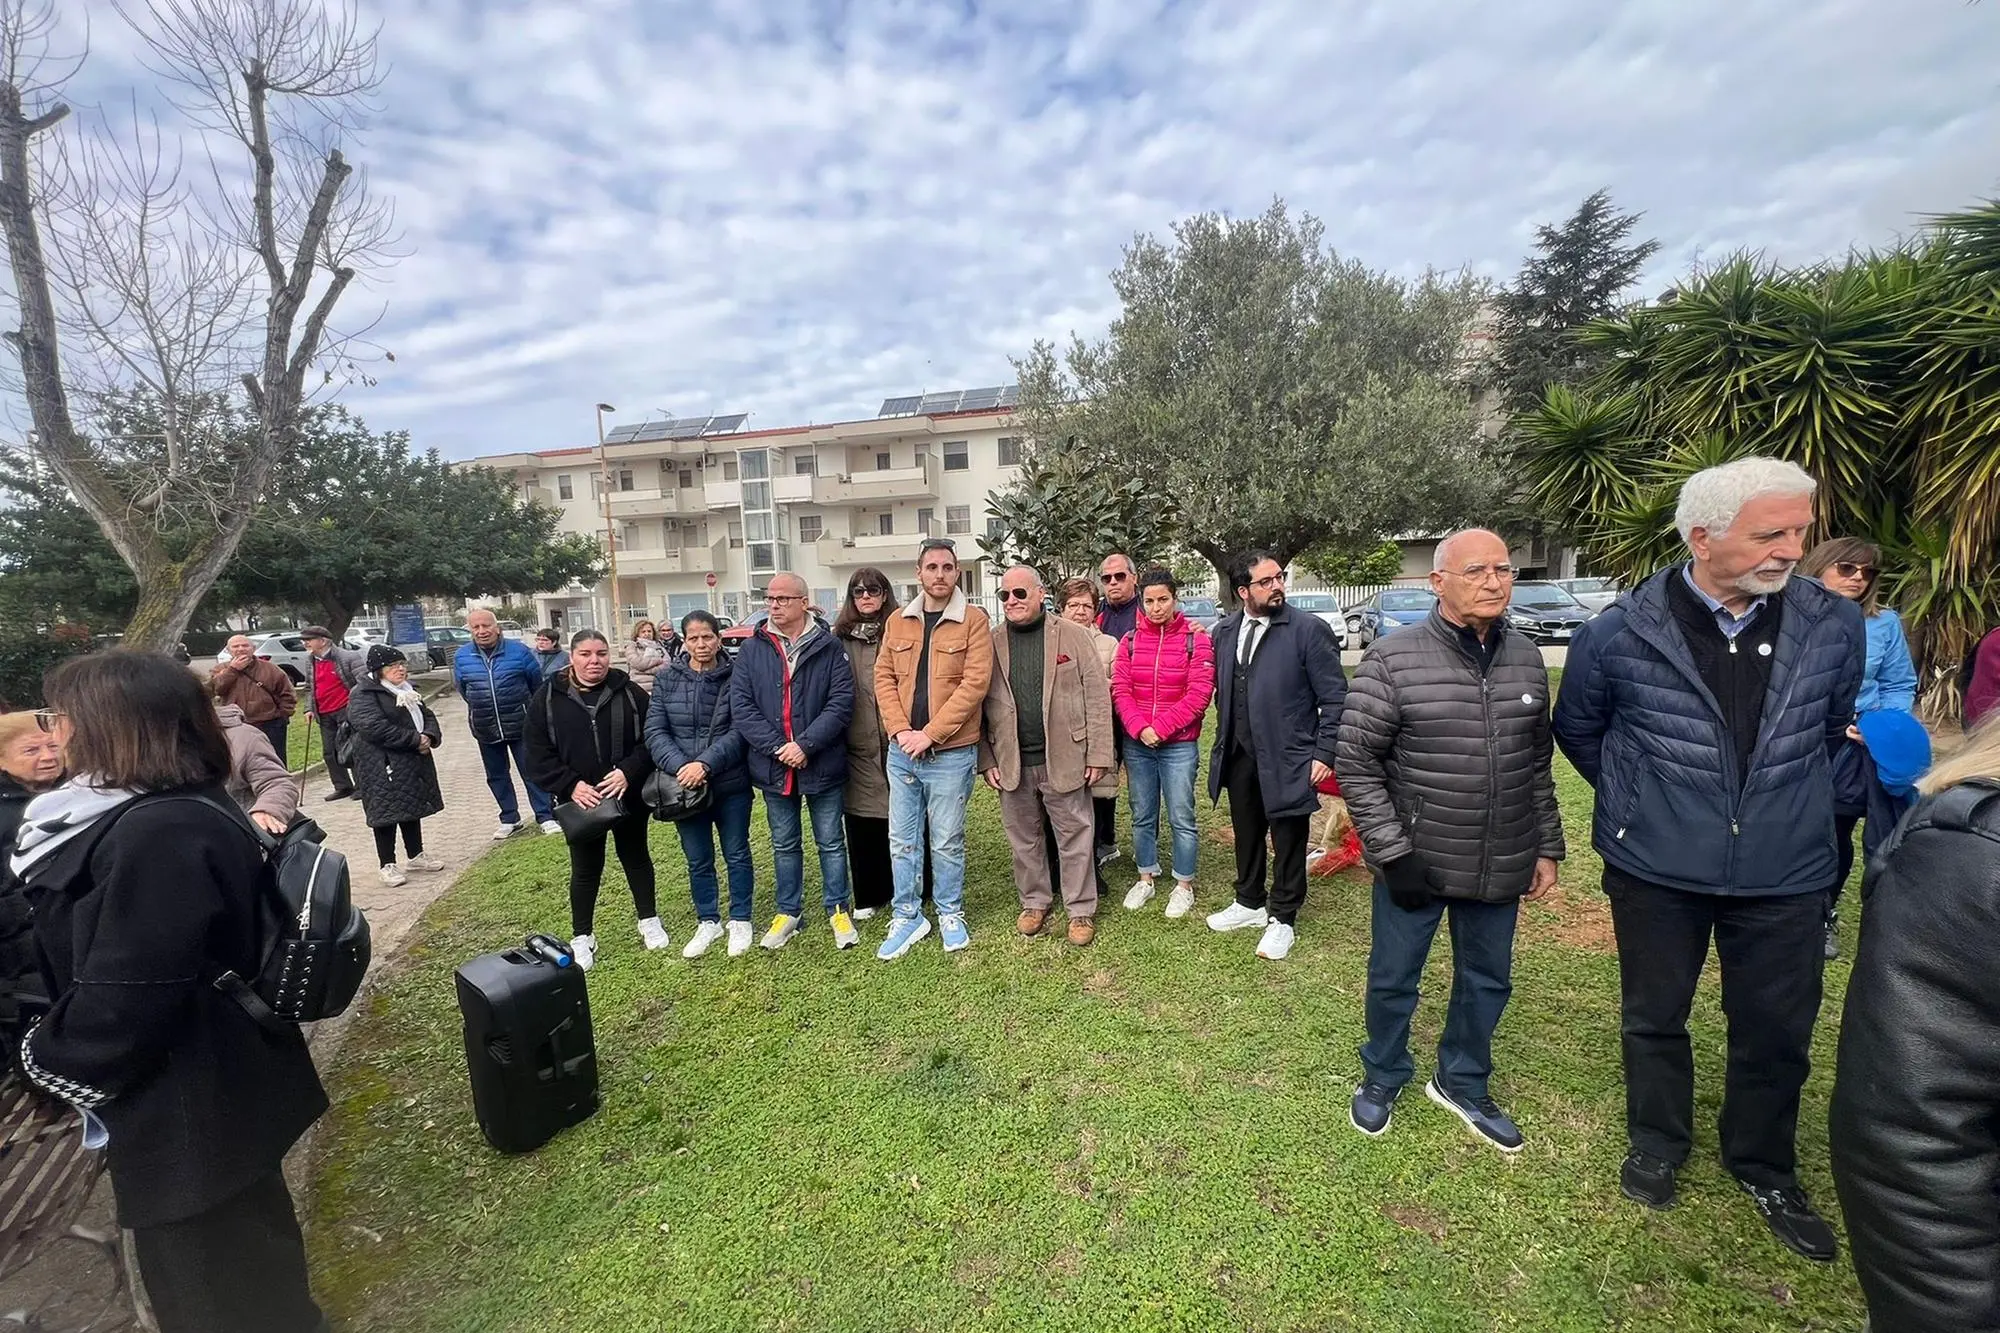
point(1024, 656)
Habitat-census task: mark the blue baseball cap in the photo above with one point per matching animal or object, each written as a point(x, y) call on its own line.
point(1900, 747)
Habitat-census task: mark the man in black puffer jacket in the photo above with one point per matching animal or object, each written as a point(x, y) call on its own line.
point(1703, 707)
point(1445, 759)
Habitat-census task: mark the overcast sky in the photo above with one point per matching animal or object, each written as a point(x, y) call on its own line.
point(795, 208)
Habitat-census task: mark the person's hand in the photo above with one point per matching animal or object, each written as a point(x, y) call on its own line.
point(585, 795)
point(791, 756)
point(423, 745)
point(1408, 881)
point(692, 774)
point(1149, 737)
point(914, 743)
point(1853, 732)
point(1093, 776)
point(269, 823)
point(1544, 880)
point(1320, 773)
point(993, 778)
point(612, 783)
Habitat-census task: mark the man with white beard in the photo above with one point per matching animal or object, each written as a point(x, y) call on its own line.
point(1703, 707)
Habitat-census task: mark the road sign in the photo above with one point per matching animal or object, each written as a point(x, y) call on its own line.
point(711, 580)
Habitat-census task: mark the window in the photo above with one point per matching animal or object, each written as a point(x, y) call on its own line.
point(596, 485)
point(762, 557)
point(996, 529)
point(805, 465)
point(756, 464)
point(735, 536)
point(758, 527)
point(1010, 451)
point(811, 528)
point(628, 537)
point(756, 495)
point(729, 471)
point(564, 488)
point(925, 518)
point(885, 524)
point(958, 518)
point(625, 479)
point(882, 462)
point(827, 600)
point(957, 457)
point(968, 580)
point(687, 479)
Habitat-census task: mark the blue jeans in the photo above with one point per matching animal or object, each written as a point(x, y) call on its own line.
point(1152, 773)
point(493, 756)
point(788, 848)
point(1482, 978)
point(932, 791)
point(730, 816)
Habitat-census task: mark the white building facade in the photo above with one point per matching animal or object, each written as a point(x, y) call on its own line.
point(702, 513)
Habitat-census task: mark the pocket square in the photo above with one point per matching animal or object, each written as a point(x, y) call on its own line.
point(1061, 658)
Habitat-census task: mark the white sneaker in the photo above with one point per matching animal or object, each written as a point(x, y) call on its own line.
point(1238, 917)
point(393, 876)
point(506, 831)
point(1138, 895)
point(652, 934)
point(426, 864)
point(1181, 901)
point(550, 826)
point(864, 914)
point(1277, 941)
point(780, 934)
point(739, 938)
point(584, 950)
point(707, 933)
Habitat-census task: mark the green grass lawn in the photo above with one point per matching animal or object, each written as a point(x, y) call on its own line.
point(1150, 1133)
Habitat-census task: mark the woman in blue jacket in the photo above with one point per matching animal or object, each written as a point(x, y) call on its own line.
point(690, 735)
point(1852, 568)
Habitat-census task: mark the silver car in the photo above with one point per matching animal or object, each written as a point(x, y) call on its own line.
point(286, 650)
point(1597, 594)
point(1326, 607)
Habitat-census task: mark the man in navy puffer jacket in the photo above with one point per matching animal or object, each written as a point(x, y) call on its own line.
point(496, 677)
point(1703, 707)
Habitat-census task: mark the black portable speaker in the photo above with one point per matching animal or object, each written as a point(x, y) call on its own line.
point(528, 1043)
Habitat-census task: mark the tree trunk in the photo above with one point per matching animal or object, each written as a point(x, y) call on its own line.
point(170, 591)
point(336, 609)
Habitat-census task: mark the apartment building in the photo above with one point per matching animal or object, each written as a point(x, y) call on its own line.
point(702, 512)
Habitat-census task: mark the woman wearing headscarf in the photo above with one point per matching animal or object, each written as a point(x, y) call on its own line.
point(146, 886)
point(863, 613)
point(587, 745)
point(394, 735)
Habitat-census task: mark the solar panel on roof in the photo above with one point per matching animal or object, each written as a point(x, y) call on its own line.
point(686, 429)
point(1010, 396)
point(900, 407)
point(723, 425)
point(652, 430)
point(977, 399)
point(622, 433)
point(941, 402)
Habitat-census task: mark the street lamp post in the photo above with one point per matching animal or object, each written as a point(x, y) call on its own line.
point(610, 534)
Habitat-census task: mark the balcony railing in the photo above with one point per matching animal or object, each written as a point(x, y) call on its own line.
point(657, 503)
point(901, 483)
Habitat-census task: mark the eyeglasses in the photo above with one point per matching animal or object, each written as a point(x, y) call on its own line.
point(1271, 581)
point(45, 718)
point(869, 590)
point(1480, 573)
point(779, 598)
point(1849, 569)
point(1016, 594)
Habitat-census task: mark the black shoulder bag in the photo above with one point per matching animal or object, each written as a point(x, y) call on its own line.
point(673, 802)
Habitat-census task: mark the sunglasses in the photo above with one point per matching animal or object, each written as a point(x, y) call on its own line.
point(1116, 578)
point(1016, 594)
point(938, 544)
point(1849, 569)
point(870, 590)
point(45, 718)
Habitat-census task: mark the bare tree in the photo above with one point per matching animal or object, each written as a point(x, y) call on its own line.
point(198, 297)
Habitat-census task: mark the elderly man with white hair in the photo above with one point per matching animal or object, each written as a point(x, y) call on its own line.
point(1703, 707)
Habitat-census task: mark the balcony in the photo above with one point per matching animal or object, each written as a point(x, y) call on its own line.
point(793, 488)
point(901, 483)
point(723, 494)
point(656, 504)
point(895, 551)
point(711, 559)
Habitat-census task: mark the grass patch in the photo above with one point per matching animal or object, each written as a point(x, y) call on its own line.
point(1147, 1134)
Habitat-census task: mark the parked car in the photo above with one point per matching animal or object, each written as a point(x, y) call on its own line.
point(511, 629)
point(1202, 612)
point(1597, 594)
point(1545, 613)
point(1323, 605)
point(443, 642)
point(734, 635)
point(287, 651)
point(1388, 611)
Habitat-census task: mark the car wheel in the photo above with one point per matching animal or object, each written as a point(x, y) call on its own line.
point(292, 674)
point(1354, 626)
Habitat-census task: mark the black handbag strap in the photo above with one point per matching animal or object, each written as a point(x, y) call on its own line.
point(714, 714)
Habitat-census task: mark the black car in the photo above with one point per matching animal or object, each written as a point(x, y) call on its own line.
point(442, 642)
point(1545, 613)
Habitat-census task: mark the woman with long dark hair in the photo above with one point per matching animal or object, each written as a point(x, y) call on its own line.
point(863, 613)
point(587, 744)
point(689, 733)
point(147, 884)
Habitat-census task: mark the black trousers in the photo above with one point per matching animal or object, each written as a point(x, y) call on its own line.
point(385, 840)
point(277, 731)
point(586, 873)
point(1772, 955)
point(870, 875)
point(336, 771)
point(240, 1267)
point(1106, 810)
point(1289, 835)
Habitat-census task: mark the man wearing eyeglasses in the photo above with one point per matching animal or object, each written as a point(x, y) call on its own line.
point(1704, 707)
point(1446, 762)
point(1117, 617)
point(1279, 691)
point(791, 697)
point(1047, 740)
point(930, 687)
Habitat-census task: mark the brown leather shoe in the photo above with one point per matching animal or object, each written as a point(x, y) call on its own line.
point(1030, 922)
point(1082, 931)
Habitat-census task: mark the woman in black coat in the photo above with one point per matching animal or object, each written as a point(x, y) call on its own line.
point(147, 884)
point(1916, 1093)
point(30, 764)
point(586, 744)
point(394, 735)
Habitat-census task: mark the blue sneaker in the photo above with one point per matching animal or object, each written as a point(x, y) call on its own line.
point(951, 928)
point(904, 931)
point(1371, 1108)
point(1482, 1115)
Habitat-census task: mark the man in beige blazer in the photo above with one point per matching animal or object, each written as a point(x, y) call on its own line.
point(1047, 738)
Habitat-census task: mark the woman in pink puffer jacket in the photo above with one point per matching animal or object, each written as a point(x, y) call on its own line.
point(1161, 682)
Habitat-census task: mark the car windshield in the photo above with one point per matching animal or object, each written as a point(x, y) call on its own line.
point(1544, 597)
point(1416, 600)
point(1590, 585)
point(1194, 607)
